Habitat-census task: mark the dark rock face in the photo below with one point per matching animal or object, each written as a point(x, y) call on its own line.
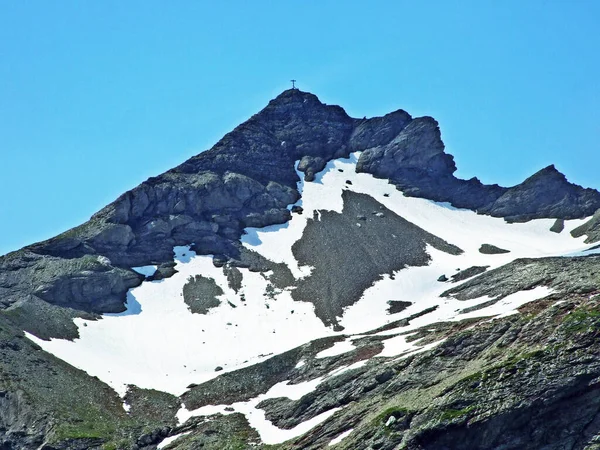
point(545, 194)
point(417, 148)
point(294, 125)
point(310, 165)
point(88, 283)
point(415, 161)
point(370, 133)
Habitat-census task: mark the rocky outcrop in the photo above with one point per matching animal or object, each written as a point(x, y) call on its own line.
point(416, 162)
point(565, 276)
point(201, 294)
point(468, 273)
point(591, 228)
point(547, 193)
point(88, 283)
point(418, 148)
point(377, 131)
point(489, 249)
point(558, 226)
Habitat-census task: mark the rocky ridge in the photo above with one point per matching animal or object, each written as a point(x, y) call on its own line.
point(248, 179)
point(480, 379)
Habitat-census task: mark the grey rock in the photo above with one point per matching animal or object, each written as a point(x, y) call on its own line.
point(468, 273)
point(397, 306)
point(564, 276)
point(418, 146)
point(558, 226)
point(591, 228)
point(489, 249)
point(415, 161)
point(200, 294)
point(547, 193)
point(378, 131)
point(311, 165)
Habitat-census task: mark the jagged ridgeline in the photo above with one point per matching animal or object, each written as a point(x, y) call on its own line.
point(313, 280)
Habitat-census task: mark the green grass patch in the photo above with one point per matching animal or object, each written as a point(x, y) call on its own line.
point(451, 414)
point(582, 321)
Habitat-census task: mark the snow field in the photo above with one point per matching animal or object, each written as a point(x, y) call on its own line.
point(337, 349)
point(339, 438)
point(159, 344)
point(268, 432)
point(170, 440)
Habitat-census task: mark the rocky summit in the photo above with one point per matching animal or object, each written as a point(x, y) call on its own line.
point(312, 281)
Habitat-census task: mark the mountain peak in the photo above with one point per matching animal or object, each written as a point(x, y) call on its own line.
point(304, 103)
point(546, 193)
point(294, 94)
point(186, 260)
point(548, 172)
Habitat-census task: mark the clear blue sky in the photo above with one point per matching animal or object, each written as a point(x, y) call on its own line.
point(95, 97)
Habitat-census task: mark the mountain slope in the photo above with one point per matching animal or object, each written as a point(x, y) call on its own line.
point(301, 281)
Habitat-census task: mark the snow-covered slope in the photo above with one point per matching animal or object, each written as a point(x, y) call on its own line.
point(159, 343)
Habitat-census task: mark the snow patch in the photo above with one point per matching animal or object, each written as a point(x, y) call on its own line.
point(170, 440)
point(269, 433)
point(341, 370)
point(338, 348)
point(450, 310)
point(147, 271)
point(340, 437)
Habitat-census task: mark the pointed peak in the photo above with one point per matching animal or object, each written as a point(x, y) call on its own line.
point(549, 169)
point(548, 172)
point(294, 95)
point(297, 102)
